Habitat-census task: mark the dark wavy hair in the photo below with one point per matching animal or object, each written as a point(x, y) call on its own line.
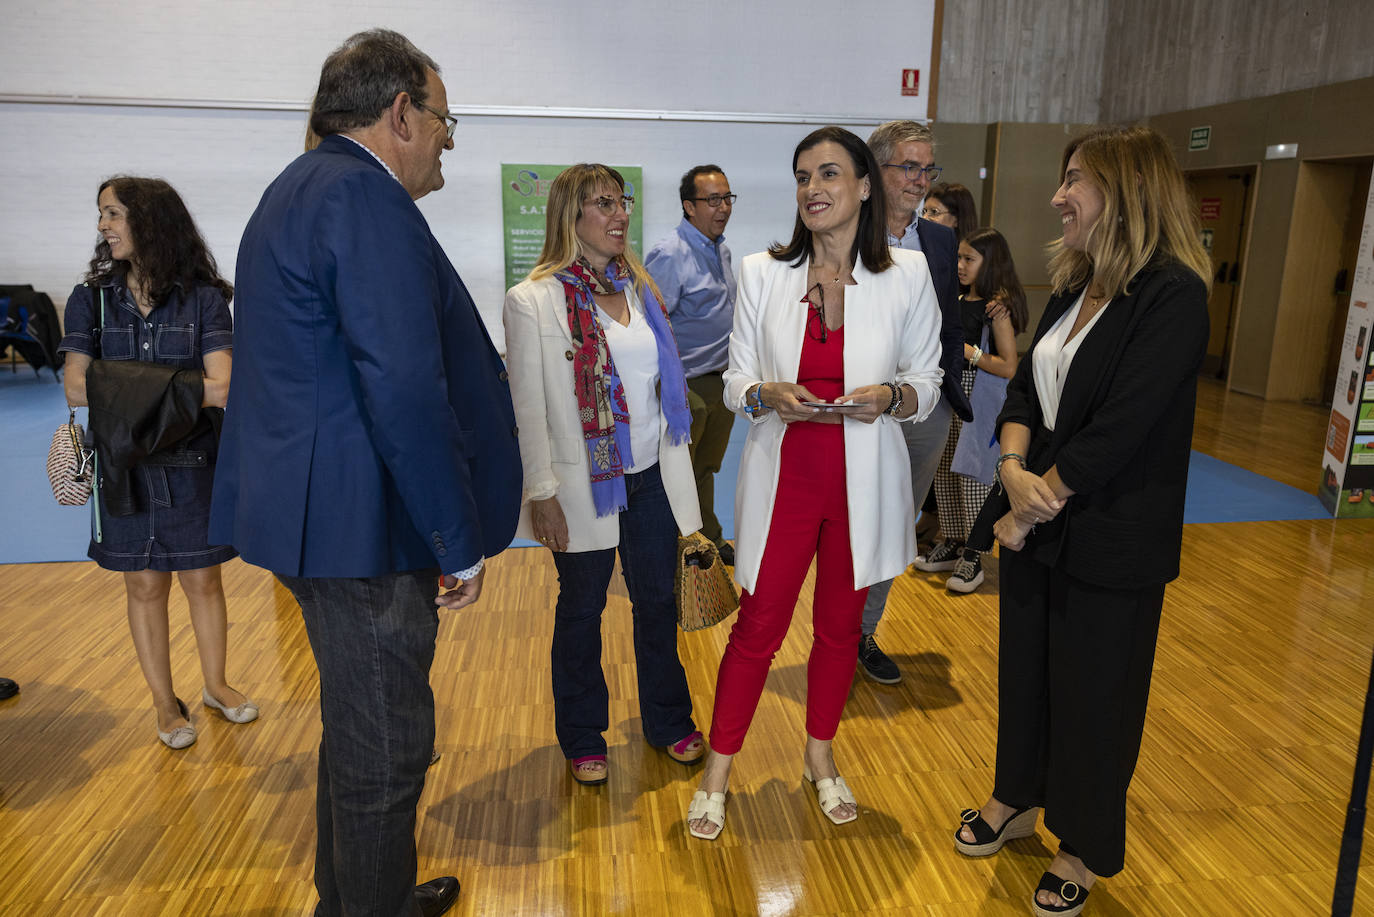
point(168, 248)
point(997, 276)
point(870, 242)
point(958, 200)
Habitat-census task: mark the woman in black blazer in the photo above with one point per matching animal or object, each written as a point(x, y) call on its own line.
point(1095, 439)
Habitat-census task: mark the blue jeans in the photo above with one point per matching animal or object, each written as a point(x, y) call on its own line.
point(648, 558)
point(373, 641)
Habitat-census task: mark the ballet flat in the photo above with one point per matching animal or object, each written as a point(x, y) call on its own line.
point(182, 736)
point(245, 712)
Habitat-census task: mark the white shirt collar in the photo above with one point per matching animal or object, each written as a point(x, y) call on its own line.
point(373, 155)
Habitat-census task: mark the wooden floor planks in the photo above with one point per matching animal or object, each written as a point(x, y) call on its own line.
point(1236, 808)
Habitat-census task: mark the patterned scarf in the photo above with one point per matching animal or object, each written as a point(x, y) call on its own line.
point(601, 405)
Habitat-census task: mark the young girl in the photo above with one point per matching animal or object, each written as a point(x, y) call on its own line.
point(987, 271)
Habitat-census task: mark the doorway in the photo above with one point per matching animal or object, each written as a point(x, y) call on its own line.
point(1223, 201)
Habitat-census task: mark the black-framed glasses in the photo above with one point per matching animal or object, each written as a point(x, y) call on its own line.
point(715, 200)
point(913, 170)
point(816, 316)
point(931, 213)
point(608, 205)
point(450, 122)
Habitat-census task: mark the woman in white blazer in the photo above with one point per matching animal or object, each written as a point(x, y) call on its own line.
point(836, 340)
point(601, 403)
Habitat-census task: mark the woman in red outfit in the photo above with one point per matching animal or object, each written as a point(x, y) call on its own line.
point(836, 340)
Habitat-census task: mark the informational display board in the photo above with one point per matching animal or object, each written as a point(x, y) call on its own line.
point(1347, 487)
point(524, 202)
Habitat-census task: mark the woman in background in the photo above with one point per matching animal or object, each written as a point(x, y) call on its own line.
point(951, 205)
point(601, 402)
point(987, 273)
point(153, 294)
point(1095, 441)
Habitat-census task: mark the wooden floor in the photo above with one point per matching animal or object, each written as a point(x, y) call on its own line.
point(1236, 808)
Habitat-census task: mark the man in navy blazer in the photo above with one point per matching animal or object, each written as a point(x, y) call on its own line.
point(369, 447)
point(906, 152)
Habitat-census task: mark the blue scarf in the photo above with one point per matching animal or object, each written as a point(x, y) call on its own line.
point(600, 396)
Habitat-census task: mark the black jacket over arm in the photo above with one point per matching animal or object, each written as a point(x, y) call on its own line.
point(1124, 430)
point(146, 412)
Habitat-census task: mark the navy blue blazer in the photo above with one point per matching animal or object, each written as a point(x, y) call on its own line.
point(942, 250)
point(369, 428)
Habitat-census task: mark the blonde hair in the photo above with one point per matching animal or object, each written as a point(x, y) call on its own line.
point(1147, 212)
point(569, 190)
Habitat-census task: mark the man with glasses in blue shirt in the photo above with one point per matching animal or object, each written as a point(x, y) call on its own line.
point(692, 270)
point(905, 150)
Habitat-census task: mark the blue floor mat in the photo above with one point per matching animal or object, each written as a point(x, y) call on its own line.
point(1221, 492)
point(40, 531)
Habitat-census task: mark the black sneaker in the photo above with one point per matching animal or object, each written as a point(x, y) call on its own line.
point(940, 559)
point(968, 575)
point(876, 664)
point(727, 553)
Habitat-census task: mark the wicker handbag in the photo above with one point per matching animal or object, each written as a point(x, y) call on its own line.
point(71, 464)
point(705, 591)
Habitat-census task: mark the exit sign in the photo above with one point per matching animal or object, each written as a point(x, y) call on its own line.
point(1199, 138)
point(911, 82)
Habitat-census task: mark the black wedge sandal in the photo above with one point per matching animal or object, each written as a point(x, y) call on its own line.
point(1074, 896)
point(1020, 823)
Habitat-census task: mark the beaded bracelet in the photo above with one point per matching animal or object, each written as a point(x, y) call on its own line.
point(977, 355)
point(997, 471)
point(896, 404)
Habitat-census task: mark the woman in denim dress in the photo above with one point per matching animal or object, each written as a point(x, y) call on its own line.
point(153, 293)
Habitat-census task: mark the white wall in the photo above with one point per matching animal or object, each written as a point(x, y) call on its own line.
point(752, 67)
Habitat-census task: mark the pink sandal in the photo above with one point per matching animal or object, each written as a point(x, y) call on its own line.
point(678, 750)
point(586, 765)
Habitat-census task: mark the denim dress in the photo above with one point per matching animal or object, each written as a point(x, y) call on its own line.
point(168, 528)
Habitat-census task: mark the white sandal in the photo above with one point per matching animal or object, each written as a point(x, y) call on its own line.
point(831, 794)
point(710, 806)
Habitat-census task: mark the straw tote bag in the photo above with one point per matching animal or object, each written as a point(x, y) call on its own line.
point(705, 591)
point(71, 462)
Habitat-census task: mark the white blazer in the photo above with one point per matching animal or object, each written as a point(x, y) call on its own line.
point(539, 354)
point(891, 334)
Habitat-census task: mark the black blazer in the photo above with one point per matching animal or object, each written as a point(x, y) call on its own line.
point(941, 251)
point(1124, 430)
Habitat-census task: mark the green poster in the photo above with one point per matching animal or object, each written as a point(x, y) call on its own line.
point(1365, 422)
point(524, 196)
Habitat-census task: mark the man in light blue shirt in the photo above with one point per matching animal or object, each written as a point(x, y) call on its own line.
point(692, 270)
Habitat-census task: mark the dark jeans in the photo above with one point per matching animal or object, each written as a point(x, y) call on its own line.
point(648, 557)
point(373, 641)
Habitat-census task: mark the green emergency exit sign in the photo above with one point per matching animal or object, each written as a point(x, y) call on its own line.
point(1199, 138)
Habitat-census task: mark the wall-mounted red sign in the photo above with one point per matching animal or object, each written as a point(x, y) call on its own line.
point(1211, 209)
point(911, 82)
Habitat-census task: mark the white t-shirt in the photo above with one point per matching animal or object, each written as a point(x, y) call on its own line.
point(635, 354)
point(1054, 355)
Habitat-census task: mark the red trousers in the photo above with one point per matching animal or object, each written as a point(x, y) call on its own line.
point(810, 519)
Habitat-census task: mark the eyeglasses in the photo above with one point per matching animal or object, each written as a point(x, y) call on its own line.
point(715, 200)
point(607, 205)
point(932, 212)
point(913, 171)
point(450, 122)
point(817, 316)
